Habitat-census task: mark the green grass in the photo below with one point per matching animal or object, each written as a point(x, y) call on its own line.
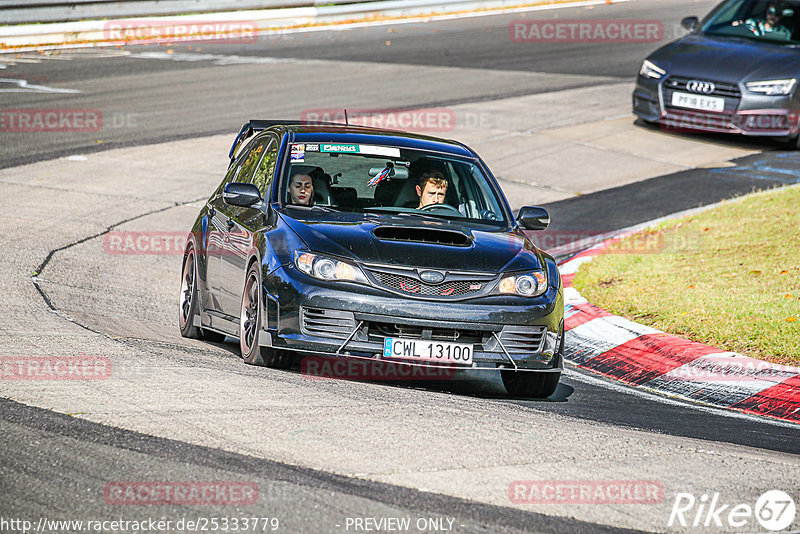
point(728, 277)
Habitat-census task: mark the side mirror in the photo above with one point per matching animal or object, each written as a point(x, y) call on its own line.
point(244, 195)
point(533, 218)
point(690, 23)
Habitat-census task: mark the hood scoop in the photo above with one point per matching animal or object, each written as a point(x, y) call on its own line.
point(422, 235)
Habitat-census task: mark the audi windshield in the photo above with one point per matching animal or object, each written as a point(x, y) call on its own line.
point(761, 20)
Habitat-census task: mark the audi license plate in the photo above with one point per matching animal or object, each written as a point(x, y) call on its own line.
point(705, 103)
point(426, 350)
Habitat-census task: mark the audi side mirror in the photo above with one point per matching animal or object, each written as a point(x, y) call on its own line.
point(533, 218)
point(244, 195)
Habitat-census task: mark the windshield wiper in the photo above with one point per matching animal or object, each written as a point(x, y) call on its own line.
point(423, 215)
point(394, 210)
point(326, 209)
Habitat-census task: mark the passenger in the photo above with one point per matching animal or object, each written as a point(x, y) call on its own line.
point(771, 26)
point(301, 189)
point(432, 188)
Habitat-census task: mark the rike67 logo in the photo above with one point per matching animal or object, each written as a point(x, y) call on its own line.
point(774, 510)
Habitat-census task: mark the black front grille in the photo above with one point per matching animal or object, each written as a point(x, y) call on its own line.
point(523, 339)
point(377, 331)
point(412, 286)
point(327, 323)
point(723, 89)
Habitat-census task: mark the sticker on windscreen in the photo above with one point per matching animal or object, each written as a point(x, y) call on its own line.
point(298, 153)
point(372, 150)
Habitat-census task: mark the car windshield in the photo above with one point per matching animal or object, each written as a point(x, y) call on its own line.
point(761, 20)
point(373, 179)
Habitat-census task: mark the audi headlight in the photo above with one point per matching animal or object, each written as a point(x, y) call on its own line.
point(651, 70)
point(326, 268)
point(530, 284)
point(772, 87)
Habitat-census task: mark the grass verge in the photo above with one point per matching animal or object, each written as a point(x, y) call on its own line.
point(728, 277)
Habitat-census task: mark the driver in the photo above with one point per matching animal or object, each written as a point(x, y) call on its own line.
point(301, 189)
point(432, 188)
point(771, 26)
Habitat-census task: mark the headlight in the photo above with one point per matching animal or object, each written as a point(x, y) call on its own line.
point(530, 284)
point(326, 268)
point(651, 70)
point(772, 87)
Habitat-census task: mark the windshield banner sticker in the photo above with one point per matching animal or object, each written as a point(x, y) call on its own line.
point(372, 150)
point(342, 149)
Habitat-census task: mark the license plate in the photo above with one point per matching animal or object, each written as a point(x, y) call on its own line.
point(425, 350)
point(705, 103)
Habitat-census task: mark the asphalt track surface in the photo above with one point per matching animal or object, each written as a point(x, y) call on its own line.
point(177, 96)
point(172, 99)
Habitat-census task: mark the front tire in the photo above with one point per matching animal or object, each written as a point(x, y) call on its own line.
point(530, 384)
point(250, 325)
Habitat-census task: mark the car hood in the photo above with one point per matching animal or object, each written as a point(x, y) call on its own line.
point(394, 240)
point(731, 60)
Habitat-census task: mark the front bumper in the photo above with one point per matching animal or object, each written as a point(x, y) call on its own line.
point(745, 113)
point(352, 321)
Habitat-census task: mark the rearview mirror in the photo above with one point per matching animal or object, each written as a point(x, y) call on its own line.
point(244, 195)
point(690, 23)
point(533, 218)
point(394, 172)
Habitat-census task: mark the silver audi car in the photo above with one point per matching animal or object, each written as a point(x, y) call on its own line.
point(735, 72)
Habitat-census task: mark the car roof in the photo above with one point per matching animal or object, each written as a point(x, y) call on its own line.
point(304, 132)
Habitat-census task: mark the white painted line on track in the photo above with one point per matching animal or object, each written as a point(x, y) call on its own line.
point(353, 25)
point(433, 17)
point(19, 85)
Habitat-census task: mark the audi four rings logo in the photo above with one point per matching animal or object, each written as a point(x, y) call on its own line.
point(432, 277)
point(696, 86)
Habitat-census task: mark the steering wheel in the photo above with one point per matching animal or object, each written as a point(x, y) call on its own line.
point(445, 207)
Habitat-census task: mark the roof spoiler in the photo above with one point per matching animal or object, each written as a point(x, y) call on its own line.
point(254, 126)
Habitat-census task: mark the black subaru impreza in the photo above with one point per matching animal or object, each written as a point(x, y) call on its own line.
point(372, 245)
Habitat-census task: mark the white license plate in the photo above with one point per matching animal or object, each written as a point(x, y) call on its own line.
point(425, 350)
point(705, 103)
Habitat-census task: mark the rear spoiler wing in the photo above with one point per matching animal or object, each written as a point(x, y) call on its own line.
point(255, 126)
